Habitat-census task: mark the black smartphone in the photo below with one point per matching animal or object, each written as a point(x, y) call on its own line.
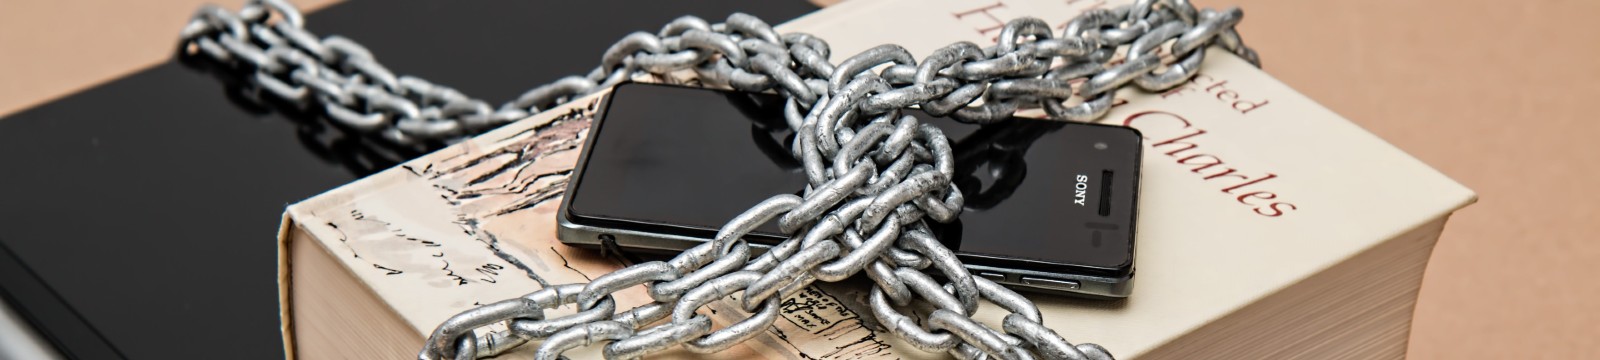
point(1050, 205)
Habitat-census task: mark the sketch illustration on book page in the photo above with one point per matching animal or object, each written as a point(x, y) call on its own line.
point(476, 224)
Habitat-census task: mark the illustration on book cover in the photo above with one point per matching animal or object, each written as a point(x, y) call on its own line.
point(477, 225)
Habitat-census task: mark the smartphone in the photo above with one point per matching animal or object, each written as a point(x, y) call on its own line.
point(1050, 205)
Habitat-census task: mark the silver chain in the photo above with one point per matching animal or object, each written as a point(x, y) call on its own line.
point(876, 176)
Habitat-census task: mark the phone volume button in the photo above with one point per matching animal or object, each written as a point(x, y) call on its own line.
point(1050, 283)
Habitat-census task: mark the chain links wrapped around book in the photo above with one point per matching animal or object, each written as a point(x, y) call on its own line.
point(876, 176)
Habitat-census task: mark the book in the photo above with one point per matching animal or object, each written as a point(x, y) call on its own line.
point(1270, 227)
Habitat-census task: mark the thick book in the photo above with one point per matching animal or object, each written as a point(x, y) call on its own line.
point(1270, 227)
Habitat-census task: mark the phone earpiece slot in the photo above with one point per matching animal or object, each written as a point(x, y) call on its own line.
point(1105, 192)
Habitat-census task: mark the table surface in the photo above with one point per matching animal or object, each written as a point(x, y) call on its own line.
point(1493, 94)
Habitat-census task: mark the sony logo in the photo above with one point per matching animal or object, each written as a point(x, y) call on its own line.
point(1082, 190)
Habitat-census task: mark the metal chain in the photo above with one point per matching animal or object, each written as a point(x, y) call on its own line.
point(876, 176)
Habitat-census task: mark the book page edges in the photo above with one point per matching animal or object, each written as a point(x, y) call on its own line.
point(1399, 263)
point(339, 298)
point(285, 321)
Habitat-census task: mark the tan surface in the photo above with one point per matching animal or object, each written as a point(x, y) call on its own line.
point(1491, 93)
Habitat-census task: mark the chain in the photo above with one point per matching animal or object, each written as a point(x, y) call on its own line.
point(876, 176)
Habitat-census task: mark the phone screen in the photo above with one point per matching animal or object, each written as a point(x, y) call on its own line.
point(1039, 194)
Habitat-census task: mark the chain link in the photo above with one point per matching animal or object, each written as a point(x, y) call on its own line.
point(876, 176)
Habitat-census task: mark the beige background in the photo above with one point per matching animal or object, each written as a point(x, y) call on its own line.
point(1496, 94)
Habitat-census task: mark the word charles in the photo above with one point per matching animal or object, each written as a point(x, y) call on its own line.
point(1167, 133)
point(1175, 137)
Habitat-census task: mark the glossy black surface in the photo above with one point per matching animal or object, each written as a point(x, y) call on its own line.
point(683, 161)
point(72, 336)
point(150, 204)
point(689, 159)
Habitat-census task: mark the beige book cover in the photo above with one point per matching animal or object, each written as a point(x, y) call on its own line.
point(1268, 224)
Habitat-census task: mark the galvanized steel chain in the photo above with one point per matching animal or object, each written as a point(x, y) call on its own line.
point(876, 176)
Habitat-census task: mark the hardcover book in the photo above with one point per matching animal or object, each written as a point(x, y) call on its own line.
point(1270, 227)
